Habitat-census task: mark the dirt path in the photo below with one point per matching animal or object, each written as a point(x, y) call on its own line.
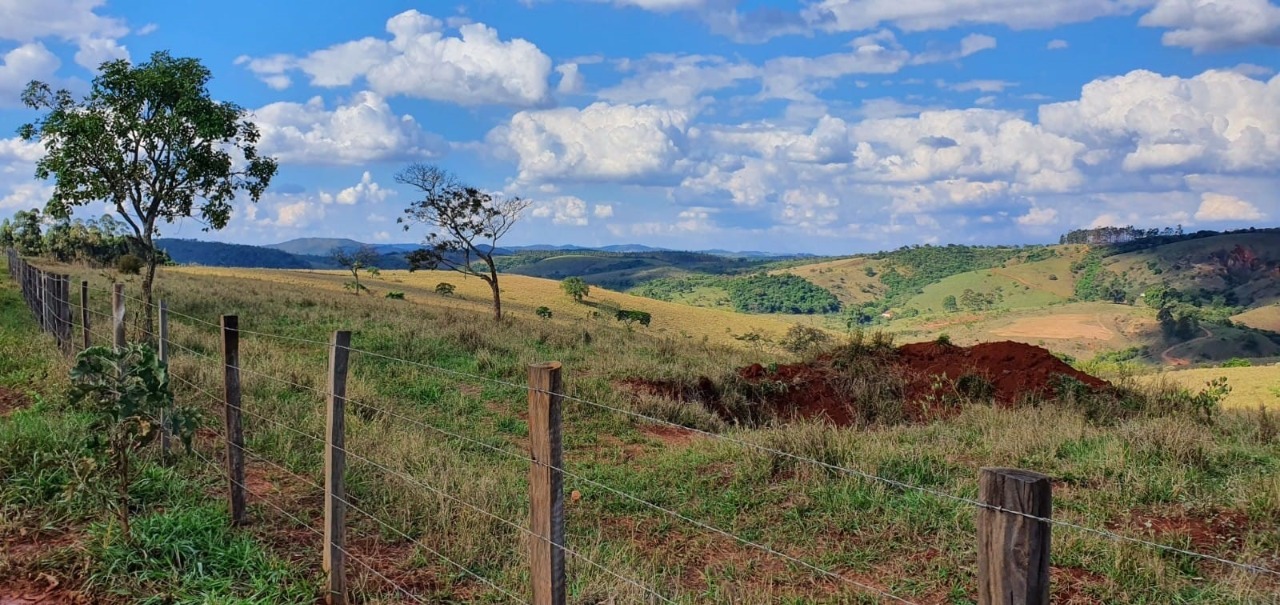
point(1023, 282)
point(1167, 355)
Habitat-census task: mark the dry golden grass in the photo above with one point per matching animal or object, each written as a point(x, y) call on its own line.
point(521, 295)
point(1250, 387)
point(1264, 318)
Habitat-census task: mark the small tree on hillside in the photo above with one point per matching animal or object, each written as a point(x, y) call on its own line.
point(354, 260)
point(464, 225)
point(151, 142)
point(949, 304)
point(576, 288)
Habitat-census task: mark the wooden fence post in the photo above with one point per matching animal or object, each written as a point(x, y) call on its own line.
point(1013, 550)
point(164, 358)
point(64, 313)
point(335, 464)
point(84, 312)
point(546, 482)
point(117, 315)
point(45, 294)
point(235, 431)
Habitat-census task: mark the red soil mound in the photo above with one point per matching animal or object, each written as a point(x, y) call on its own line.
point(1014, 369)
point(927, 378)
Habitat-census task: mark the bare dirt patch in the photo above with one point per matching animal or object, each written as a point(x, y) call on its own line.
point(12, 401)
point(670, 435)
point(1007, 373)
point(1058, 327)
point(1217, 531)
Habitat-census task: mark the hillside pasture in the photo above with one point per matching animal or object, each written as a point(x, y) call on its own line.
point(1262, 318)
point(1250, 387)
point(846, 278)
point(521, 296)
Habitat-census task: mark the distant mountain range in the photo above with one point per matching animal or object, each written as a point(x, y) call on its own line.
point(313, 252)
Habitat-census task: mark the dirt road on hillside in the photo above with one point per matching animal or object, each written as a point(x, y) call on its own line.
point(1167, 355)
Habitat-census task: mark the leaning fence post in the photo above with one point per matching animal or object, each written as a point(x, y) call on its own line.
point(235, 431)
point(1013, 548)
point(84, 312)
point(546, 494)
point(117, 315)
point(335, 463)
point(164, 359)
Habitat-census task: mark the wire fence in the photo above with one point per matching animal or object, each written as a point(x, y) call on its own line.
point(52, 306)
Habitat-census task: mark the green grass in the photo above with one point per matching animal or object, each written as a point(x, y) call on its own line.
point(912, 544)
point(183, 550)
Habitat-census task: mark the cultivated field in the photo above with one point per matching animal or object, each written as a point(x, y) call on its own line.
point(1211, 487)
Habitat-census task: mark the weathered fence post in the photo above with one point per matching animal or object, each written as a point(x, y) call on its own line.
point(64, 313)
point(84, 312)
point(46, 315)
point(335, 463)
point(235, 431)
point(546, 494)
point(117, 315)
point(164, 359)
point(1013, 549)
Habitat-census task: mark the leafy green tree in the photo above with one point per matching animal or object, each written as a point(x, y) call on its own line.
point(576, 288)
point(355, 260)
point(150, 141)
point(126, 393)
point(543, 312)
point(445, 289)
point(949, 304)
point(28, 232)
point(464, 225)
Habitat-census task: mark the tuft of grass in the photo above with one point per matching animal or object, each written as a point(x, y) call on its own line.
point(190, 555)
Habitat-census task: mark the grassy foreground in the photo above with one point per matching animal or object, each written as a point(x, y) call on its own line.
point(1209, 487)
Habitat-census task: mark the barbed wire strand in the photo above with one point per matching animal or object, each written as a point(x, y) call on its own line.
point(579, 477)
point(459, 501)
point(375, 518)
point(313, 530)
point(855, 472)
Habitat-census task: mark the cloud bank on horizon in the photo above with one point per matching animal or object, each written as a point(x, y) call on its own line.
point(827, 126)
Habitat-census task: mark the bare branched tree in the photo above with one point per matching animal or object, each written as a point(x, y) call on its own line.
point(464, 224)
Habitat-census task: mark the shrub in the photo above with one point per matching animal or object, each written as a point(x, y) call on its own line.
point(801, 340)
point(543, 312)
point(1053, 277)
point(641, 317)
point(127, 394)
point(975, 386)
point(445, 289)
point(943, 339)
point(395, 295)
point(1237, 362)
point(129, 264)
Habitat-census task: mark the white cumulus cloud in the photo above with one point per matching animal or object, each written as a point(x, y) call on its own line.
point(1207, 25)
point(421, 60)
point(621, 143)
point(366, 191)
point(31, 61)
point(363, 130)
point(1216, 207)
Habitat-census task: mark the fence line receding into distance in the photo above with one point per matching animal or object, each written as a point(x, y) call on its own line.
point(1014, 508)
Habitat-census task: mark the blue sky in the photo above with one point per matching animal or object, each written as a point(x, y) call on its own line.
point(826, 126)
